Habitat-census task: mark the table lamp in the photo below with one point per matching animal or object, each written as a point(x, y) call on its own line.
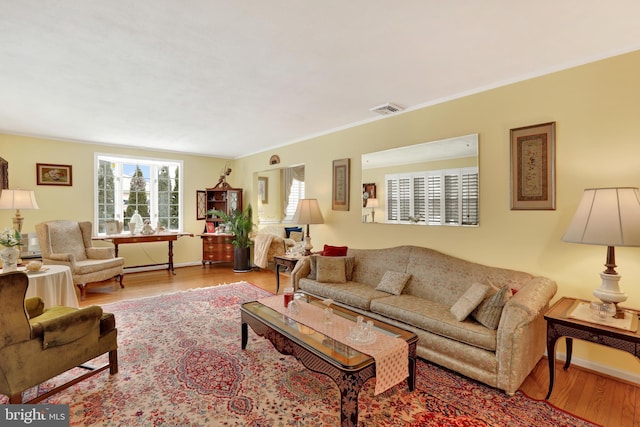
point(18, 199)
point(373, 204)
point(609, 217)
point(308, 212)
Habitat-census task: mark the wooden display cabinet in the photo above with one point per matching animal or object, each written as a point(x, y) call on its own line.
point(216, 248)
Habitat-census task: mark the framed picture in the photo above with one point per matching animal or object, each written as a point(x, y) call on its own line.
point(368, 192)
point(211, 227)
point(112, 226)
point(533, 167)
point(263, 189)
point(53, 174)
point(340, 193)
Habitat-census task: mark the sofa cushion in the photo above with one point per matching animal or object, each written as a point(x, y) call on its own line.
point(435, 318)
point(469, 301)
point(330, 270)
point(288, 230)
point(490, 309)
point(393, 282)
point(348, 267)
point(335, 250)
point(353, 294)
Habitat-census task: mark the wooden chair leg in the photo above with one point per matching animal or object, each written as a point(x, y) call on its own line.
point(113, 362)
point(82, 287)
point(16, 399)
point(120, 277)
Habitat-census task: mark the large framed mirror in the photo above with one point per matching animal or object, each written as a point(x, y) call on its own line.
point(433, 183)
point(278, 191)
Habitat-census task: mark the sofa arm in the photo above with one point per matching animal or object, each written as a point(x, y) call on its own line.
point(521, 337)
point(302, 269)
point(101, 253)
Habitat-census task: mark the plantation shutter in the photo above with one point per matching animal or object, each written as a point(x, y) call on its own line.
point(452, 199)
point(470, 196)
point(434, 197)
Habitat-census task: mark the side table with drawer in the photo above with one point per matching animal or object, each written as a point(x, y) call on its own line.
point(216, 248)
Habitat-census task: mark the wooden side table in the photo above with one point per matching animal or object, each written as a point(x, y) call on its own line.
point(559, 324)
point(217, 248)
point(283, 261)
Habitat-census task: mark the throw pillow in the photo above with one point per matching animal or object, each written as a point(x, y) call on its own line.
point(296, 236)
point(490, 309)
point(288, 230)
point(349, 263)
point(393, 282)
point(330, 270)
point(469, 301)
point(335, 250)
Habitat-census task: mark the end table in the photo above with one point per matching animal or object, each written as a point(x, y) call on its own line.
point(288, 262)
point(559, 324)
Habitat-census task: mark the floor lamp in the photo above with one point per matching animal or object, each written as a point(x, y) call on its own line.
point(18, 199)
point(308, 212)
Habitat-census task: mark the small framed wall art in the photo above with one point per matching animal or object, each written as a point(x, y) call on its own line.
point(263, 189)
point(340, 192)
point(368, 192)
point(48, 174)
point(533, 167)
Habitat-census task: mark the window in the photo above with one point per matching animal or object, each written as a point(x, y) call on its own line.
point(296, 193)
point(127, 184)
point(433, 197)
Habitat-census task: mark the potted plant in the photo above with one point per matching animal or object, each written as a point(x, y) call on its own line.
point(241, 225)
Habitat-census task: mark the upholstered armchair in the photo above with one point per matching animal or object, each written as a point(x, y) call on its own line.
point(37, 344)
point(69, 243)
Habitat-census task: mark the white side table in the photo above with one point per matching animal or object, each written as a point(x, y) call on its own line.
point(54, 285)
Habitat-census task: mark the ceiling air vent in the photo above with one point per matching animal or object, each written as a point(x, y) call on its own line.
point(386, 109)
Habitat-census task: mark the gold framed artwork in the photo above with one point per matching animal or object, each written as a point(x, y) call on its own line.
point(340, 188)
point(48, 174)
point(533, 167)
point(263, 189)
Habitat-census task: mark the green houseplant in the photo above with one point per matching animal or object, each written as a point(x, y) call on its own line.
point(240, 223)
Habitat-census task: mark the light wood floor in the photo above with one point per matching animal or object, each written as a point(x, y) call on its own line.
point(597, 398)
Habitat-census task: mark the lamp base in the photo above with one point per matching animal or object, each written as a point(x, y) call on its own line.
point(307, 245)
point(609, 291)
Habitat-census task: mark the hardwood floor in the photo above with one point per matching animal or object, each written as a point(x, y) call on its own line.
point(597, 398)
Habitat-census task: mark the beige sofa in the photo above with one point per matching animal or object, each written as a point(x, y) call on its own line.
point(502, 357)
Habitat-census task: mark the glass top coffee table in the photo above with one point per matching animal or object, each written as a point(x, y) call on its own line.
point(348, 368)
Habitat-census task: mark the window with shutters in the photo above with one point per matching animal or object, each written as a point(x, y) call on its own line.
point(441, 197)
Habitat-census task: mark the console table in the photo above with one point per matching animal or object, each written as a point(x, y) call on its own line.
point(122, 239)
point(559, 324)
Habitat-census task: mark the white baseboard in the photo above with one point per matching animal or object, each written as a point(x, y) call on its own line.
point(603, 369)
point(160, 267)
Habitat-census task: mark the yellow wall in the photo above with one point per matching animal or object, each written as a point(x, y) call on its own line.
point(76, 202)
point(596, 108)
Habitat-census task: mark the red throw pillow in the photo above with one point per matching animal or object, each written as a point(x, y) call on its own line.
point(335, 250)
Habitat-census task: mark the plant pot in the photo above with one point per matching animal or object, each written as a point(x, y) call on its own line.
point(242, 260)
point(9, 256)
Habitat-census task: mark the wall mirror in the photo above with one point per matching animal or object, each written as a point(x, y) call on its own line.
point(433, 183)
point(277, 193)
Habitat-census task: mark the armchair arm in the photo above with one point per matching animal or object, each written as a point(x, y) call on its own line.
point(302, 269)
point(34, 306)
point(70, 327)
point(62, 258)
point(101, 253)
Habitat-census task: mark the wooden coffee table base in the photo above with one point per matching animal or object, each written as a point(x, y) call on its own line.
point(348, 381)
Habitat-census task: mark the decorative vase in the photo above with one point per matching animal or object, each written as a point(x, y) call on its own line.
point(9, 256)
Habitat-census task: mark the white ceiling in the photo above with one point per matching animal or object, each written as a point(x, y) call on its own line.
point(231, 78)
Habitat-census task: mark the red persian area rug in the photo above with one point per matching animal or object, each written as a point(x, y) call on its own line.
point(181, 364)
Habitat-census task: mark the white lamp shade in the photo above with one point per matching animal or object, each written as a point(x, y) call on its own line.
point(18, 199)
point(373, 203)
point(606, 216)
point(308, 212)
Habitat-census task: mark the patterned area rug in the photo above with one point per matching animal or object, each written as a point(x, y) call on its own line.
point(181, 365)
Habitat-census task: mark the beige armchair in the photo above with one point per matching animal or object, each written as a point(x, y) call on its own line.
point(37, 344)
point(69, 243)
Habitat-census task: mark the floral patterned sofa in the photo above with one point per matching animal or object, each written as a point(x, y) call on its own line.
point(484, 322)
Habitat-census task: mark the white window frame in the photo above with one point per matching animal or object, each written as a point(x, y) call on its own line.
point(154, 163)
point(408, 192)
